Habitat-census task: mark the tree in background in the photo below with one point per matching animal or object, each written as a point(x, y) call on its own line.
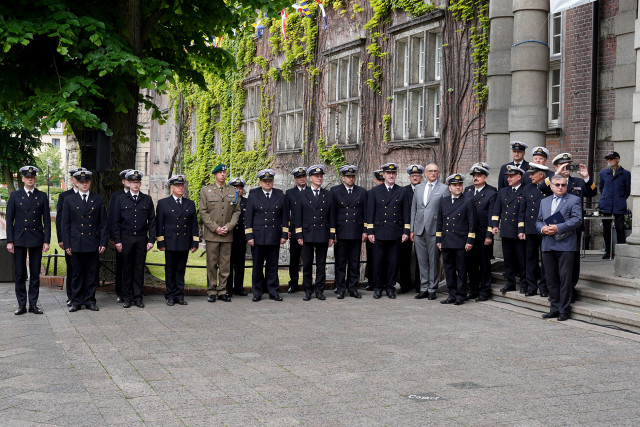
point(85, 62)
point(17, 147)
point(56, 175)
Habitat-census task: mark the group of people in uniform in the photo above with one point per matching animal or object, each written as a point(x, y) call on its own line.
point(407, 231)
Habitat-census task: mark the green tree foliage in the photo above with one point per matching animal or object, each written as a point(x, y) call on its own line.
point(17, 146)
point(52, 155)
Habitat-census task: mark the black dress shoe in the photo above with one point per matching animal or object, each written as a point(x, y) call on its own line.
point(402, 291)
point(355, 294)
point(531, 293)
point(422, 295)
point(138, 304)
point(307, 297)
point(35, 310)
point(321, 296)
point(180, 302)
point(92, 307)
point(471, 296)
point(340, 295)
point(482, 298)
point(275, 297)
point(391, 295)
point(225, 298)
point(544, 294)
point(550, 315)
point(448, 301)
point(256, 299)
point(126, 304)
point(240, 293)
point(170, 302)
point(507, 288)
point(377, 294)
point(458, 302)
point(432, 296)
point(335, 291)
point(292, 289)
point(68, 303)
point(369, 288)
point(74, 308)
point(523, 291)
point(562, 317)
point(606, 256)
point(573, 298)
point(20, 310)
point(211, 298)
point(119, 300)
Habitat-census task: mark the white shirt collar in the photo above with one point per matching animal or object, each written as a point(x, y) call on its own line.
point(481, 188)
point(137, 194)
point(348, 188)
point(81, 193)
point(516, 188)
point(267, 192)
point(301, 188)
point(176, 198)
point(75, 190)
point(27, 191)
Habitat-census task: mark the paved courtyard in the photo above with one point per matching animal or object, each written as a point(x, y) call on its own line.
point(352, 362)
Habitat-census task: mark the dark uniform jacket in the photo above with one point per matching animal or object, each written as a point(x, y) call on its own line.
point(59, 206)
point(238, 231)
point(456, 223)
point(28, 219)
point(483, 207)
point(84, 225)
point(615, 188)
point(506, 211)
point(112, 204)
point(502, 178)
point(177, 225)
point(134, 218)
point(293, 195)
point(388, 212)
point(312, 216)
point(265, 220)
point(529, 208)
point(347, 215)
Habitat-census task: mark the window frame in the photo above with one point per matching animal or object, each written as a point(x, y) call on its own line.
point(556, 65)
point(344, 99)
point(251, 122)
point(294, 116)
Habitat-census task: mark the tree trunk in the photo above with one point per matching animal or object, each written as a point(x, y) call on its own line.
point(8, 178)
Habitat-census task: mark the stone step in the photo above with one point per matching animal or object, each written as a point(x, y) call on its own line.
point(610, 283)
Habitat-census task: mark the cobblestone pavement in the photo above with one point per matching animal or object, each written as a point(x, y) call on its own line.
point(348, 362)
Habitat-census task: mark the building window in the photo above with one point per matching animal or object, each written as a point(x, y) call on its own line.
point(416, 86)
point(290, 120)
point(343, 100)
point(250, 123)
point(156, 143)
point(55, 142)
point(554, 96)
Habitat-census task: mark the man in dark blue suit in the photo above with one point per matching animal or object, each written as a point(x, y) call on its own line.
point(59, 205)
point(112, 214)
point(559, 244)
point(84, 231)
point(295, 250)
point(177, 234)
point(266, 228)
point(28, 231)
point(455, 236)
point(517, 151)
point(388, 225)
point(235, 282)
point(312, 230)
point(615, 189)
point(347, 222)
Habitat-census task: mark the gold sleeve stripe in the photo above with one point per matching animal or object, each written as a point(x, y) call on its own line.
point(332, 230)
point(438, 233)
point(547, 181)
point(366, 225)
point(369, 226)
point(160, 238)
point(472, 235)
point(299, 230)
point(285, 229)
point(593, 185)
point(489, 229)
point(248, 230)
point(495, 218)
point(521, 224)
point(196, 239)
point(407, 226)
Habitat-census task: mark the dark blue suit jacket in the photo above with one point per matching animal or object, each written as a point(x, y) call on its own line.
point(266, 221)
point(456, 222)
point(614, 190)
point(388, 212)
point(571, 210)
point(176, 226)
point(59, 206)
point(84, 225)
point(347, 215)
point(28, 219)
point(312, 216)
point(483, 206)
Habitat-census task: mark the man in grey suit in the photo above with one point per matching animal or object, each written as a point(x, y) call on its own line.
point(424, 213)
point(559, 218)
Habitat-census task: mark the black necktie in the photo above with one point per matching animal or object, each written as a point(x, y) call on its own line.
point(349, 191)
point(268, 194)
point(135, 198)
point(179, 202)
point(476, 193)
point(453, 200)
point(84, 198)
point(29, 194)
point(315, 193)
point(389, 189)
point(514, 190)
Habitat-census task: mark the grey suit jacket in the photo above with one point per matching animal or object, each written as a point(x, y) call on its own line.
point(423, 218)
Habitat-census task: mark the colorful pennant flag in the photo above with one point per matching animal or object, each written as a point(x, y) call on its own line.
point(303, 9)
point(324, 15)
point(283, 20)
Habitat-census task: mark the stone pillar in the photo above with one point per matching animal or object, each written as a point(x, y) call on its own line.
point(627, 261)
point(499, 82)
point(528, 114)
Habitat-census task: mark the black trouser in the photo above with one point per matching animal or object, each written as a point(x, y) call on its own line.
point(408, 278)
point(347, 252)
point(532, 263)
point(295, 252)
point(67, 260)
point(175, 267)
point(320, 250)
point(513, 252)
point(118, 275)
point(267, 256)
point(455, 270)
point(20, 265)
point(235, 282)
point(606, 232)
point(559, 269)
point(576, 260)
point(368, 268)
point(134, 253)
point(479, 268)
point(85, 277)
point(385, 260)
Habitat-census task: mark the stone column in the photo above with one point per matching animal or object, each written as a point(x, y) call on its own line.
point(627, 261)
point(528, 114)
point(499, 82)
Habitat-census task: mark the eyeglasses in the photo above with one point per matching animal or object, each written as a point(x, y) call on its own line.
point(560, 185)
point(433, 171)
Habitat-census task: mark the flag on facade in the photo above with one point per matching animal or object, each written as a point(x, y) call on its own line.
point(324, 15)
point(283, 20)
point(560, 5)
point(303, 9)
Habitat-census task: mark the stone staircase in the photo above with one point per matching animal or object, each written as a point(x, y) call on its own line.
point(602, 299)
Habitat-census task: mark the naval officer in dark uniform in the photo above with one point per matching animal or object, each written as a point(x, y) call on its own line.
point(59, 205)
point(235, 283)
point(295, 250)
point(28, 231)
point(368, 268)
point(455, 237)
point(177, 231)
point(483, 196)
point(388, 225)
point(518, 150)
point(347, 222)
point(504, 219)
point(312, 230)
point(112, 204)
point(84, 231)
point(266, 228)
point(134, 231)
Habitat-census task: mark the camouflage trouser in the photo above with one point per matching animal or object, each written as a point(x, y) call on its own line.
point(218, 261)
